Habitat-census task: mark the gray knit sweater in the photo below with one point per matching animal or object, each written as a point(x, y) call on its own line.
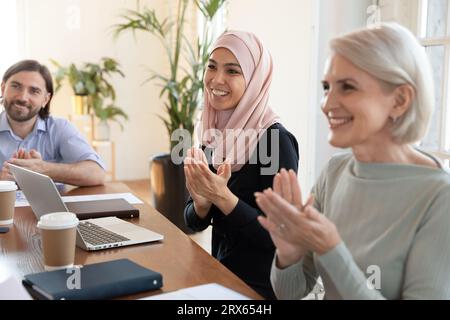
point(394, 220)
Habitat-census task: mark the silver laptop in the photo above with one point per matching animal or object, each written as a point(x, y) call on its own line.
point(111, 232)
point(46, 198)
point(92, 234)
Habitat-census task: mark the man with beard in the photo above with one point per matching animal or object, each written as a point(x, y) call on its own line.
point(31, 138)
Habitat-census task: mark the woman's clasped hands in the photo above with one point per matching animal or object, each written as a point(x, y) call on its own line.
point(206, 187)
point(295, 227)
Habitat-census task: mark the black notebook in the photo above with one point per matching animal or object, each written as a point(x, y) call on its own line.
point(119, 208)
point(103, 280)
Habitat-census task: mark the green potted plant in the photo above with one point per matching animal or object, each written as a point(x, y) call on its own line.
point(93, 91)
point(182, 88)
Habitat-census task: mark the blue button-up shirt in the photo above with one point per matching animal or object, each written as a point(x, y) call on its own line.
point(57, 140)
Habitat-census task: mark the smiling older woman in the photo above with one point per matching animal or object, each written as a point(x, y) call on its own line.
point(385, 206)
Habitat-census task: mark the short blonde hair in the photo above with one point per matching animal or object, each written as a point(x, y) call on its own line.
point(392, 54)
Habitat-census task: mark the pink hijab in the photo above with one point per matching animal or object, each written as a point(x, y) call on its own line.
point(252, 111)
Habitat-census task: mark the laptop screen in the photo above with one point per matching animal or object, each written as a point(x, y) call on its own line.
point(40, 191)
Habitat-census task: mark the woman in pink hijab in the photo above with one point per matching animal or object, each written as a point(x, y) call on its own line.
point(243, 148)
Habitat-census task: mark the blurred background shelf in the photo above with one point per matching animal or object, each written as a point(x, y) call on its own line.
point(106, 149)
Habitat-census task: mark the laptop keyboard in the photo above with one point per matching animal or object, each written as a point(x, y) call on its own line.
point(97, 235)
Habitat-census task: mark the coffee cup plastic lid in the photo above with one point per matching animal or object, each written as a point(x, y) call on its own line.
point(7, 186)
point(58, 220)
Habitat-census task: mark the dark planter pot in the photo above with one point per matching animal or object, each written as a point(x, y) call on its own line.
point(168, 189)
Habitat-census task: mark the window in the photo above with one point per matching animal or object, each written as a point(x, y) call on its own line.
point(434, 34)
point(8, 24)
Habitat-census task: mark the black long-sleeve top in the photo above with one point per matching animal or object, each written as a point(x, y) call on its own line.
point(238, 239)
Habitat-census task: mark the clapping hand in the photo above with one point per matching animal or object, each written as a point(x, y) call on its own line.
point(196, 157)
point(206, 186)
point(295, 227)
point(31, 160)
point(21, 154)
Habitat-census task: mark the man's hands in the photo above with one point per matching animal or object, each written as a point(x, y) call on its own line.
point(82, 173)
point(27, 159)
point(31, 160)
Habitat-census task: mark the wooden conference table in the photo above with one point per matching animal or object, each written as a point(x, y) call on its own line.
point(180, 260)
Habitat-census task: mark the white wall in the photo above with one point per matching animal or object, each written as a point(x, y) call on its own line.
point(286, 29)
point(405, 12)
point(54, 31)
point(8, 21)
point(335, 17)
point(297, 32)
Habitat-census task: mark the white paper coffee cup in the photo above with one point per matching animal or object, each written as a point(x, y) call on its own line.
point(58, 231)
point(7, 201)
